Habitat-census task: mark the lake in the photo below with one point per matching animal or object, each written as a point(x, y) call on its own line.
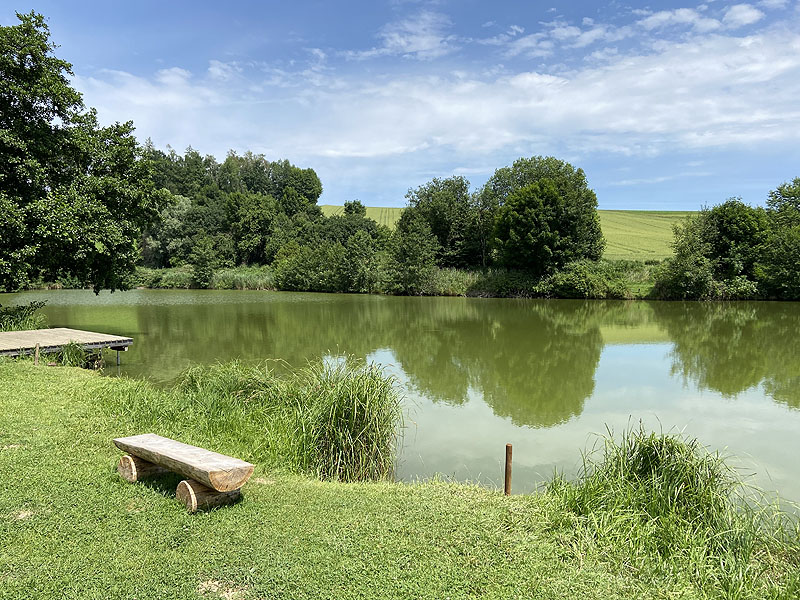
point(547, 376)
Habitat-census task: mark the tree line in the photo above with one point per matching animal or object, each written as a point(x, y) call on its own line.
point(537, 215)
point(733, 251)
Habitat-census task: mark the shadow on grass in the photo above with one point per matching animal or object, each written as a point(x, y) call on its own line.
point(166, 484)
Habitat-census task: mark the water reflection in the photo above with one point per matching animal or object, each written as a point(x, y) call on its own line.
point(531, 361)
point(527, 361)
point(734, 347)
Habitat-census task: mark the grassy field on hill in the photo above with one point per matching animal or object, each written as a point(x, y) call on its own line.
point(639, 234)
point(383, 215)
point(630, 234)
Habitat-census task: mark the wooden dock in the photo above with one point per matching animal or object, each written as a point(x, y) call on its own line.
point(15, 343)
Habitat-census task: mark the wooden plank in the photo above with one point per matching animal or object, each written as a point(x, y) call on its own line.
point(14, 343)
point(214, 470)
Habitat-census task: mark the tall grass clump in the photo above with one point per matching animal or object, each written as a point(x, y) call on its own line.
point(659, 503)
point(73, 355)
point(243, 278)
point(20, 318)
point(452, 282)
point(349, 421)
point(336, 421)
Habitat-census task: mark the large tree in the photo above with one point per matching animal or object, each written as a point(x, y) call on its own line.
point(74, 196)
point(450, 211)
point(546, 215)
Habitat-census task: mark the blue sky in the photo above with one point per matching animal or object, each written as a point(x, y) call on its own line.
point(665, 105)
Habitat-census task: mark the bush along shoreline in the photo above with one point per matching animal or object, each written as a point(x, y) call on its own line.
point(651, 515)
point(618, 279)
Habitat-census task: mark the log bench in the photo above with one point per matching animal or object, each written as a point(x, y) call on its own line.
point(212, 479)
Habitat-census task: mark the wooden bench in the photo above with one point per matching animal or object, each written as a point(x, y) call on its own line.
point(212, 479)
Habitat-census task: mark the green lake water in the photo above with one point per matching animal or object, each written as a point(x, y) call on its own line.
point(545, 375)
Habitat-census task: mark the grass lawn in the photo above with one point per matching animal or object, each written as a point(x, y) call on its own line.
point(71, 528)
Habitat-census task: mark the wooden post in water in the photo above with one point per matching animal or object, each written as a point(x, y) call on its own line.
point(36, 355)
point(507, 489)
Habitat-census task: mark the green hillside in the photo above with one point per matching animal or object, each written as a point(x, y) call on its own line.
point(630, 234)
point(382, 214)
point(639, 234)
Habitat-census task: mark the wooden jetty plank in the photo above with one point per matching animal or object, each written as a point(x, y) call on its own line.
point(14, 343)
point(218, 471)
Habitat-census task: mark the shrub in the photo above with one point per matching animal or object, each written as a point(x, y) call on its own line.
point(314, 269)
point(410, 261)
point(778, 270)
point(25, 316)
point(715, 255)
point(584, 279)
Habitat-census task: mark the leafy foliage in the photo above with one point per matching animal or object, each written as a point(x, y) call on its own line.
point(75, 195)
point(448, 208)
point(734, 251)
point(411, 257)
point(546, 215)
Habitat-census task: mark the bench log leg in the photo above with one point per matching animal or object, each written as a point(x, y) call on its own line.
point(196, 496)
point(133, 468)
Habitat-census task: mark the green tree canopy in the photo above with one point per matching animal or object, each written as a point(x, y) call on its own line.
point(75, 196)
point(784, 201)
point(447, 206)
point(546, 215)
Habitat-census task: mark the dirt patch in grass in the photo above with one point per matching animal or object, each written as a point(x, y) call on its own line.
point(220, 589)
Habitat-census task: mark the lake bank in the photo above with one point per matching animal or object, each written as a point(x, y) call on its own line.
point(76, 530)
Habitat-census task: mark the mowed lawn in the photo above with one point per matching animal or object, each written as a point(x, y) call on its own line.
point(630, 234)
point(71, 528)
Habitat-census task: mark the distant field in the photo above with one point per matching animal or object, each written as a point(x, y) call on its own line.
point(381, 214)
point(630, 234)
point(639, 234)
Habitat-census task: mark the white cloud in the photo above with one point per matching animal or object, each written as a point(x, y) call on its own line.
point(222, 70)
point(740, 15)
point(705, 92)
point(773, 4)
point(421, 36)
point(680, 16)
point(531, 45)
point(173, 76)
point(675, 94)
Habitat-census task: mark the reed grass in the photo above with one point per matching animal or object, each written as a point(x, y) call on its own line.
point(73, 355)
point(335, 421)
point(243, 278)
point(658, 504)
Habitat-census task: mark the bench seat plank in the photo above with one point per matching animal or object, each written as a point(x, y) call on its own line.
point(217, 471)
